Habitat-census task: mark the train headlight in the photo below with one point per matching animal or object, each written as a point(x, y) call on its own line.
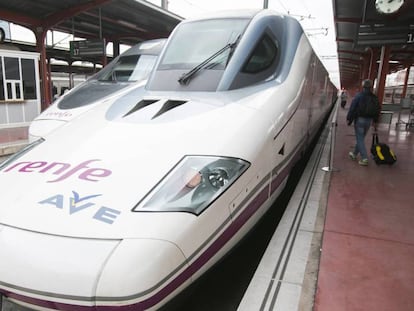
point(193, 184)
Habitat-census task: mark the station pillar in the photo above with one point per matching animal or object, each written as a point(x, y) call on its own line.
point(382, 72)
point(407, 74)
point(373, 67)
point(40, 34)
point(116, 48)
point(366, 63)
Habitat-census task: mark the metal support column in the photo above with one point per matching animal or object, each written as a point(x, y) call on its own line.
point(40, 34)
point(116, 48)
point(407, 74)
point(382, 72)
point(373, 67)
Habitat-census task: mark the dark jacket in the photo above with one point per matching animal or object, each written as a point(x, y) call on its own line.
point(353, 109)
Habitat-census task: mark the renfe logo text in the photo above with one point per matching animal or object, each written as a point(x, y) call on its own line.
point(62, 170)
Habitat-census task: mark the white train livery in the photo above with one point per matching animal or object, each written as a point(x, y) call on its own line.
point(128, 203)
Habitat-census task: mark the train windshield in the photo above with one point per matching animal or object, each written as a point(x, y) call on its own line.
point(130, 68)
point(195, 42)
point(117, 75)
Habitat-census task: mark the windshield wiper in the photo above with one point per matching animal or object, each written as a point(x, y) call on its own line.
point(185, 78)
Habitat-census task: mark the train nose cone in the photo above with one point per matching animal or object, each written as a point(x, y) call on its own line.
point(48, 271)
point(142, 273)
point(48, 266)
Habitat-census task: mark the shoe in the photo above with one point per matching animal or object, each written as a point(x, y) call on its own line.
point(352, 156)
point(363, 162)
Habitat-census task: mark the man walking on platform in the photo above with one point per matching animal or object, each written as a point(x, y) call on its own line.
point(344, 97)
point(364, 111)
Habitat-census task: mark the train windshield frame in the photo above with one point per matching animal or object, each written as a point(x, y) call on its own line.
point(196, 41)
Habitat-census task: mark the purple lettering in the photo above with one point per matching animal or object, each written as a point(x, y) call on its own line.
point(32, 166)
point(15, 165)
point(94, 172)
point(64, 167)
point(73, 170)
point(64, 170)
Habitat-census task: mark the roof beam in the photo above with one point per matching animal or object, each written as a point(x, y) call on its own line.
point(350, 60)
point(353, 52)
point(19, 19)
point(50, 20)
point(352, 20)
point(58, 17)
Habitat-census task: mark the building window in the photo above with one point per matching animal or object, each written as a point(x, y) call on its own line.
point(12, 68)
point(1, 79)
point(29, 78)
point(17, 78)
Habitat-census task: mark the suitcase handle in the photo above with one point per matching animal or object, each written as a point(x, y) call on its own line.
point(375, 139)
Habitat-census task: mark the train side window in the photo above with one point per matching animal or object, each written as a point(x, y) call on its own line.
point(263, 56)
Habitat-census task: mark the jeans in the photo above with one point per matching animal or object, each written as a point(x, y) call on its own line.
point(361, 126)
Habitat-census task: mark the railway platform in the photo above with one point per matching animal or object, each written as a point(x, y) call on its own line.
point(346, 240)
point(368, 239)
point(12, 140)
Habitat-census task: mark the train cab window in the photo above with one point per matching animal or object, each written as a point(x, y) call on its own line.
point(129, 68)
point(197, 55)
point(114, 77)
point(262, 57)
point(260, 65)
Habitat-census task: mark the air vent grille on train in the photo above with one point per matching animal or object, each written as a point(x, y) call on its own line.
point(168, 105)
point(142, 104)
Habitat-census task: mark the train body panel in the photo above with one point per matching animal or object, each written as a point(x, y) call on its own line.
point(163, 180)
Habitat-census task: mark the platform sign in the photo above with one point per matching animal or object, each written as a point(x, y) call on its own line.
point(410, 38)
point(87, 48)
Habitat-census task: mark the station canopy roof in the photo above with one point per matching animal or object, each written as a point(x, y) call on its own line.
point(362, 30)
point(123, 21)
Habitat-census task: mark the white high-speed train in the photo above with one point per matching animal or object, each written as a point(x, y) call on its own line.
point(127, 71)
point(127, 204)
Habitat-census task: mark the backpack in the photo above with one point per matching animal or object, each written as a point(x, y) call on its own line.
point(368, 106)
point(382, 153)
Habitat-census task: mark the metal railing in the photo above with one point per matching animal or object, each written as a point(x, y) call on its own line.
point(333, 125)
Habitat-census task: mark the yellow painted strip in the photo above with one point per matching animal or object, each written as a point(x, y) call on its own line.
point(379, 153)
